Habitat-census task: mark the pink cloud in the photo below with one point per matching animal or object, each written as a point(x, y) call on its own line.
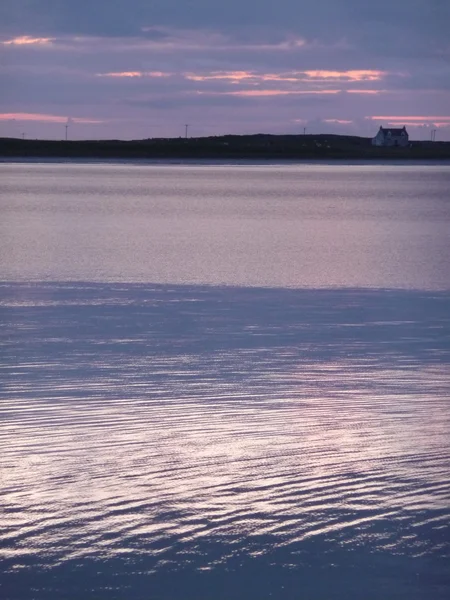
point(368, 92)
point(45, 118)
point(352, 75)
point(292, 76)
point(413, 120)
point(25, 40)
point(183, 40)
point(410, 118)
point(338, 121)
point(247, 76)
point(132, 74)
point(221, 75)
point(256, 93)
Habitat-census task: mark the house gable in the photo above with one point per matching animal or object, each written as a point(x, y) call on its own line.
point(391, 136)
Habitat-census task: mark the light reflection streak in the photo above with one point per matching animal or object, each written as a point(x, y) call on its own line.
point(254, 442)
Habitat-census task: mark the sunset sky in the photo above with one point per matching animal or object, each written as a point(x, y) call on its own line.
point(144, 68)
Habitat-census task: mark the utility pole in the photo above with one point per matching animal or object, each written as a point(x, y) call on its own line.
point(67, 127)
point(304, 130)
point(23, 135)
point(433, 135)
point(186, 131)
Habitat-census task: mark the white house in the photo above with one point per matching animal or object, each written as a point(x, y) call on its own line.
point(391, 137)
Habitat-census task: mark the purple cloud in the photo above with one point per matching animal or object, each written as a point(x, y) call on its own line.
point(138, 69)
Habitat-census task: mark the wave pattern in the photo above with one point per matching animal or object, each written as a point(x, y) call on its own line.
point(190, 429)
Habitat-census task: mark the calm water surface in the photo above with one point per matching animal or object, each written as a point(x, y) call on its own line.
point(274, 225)
point(224, 381)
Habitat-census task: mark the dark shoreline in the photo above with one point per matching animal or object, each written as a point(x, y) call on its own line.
point(229, 147)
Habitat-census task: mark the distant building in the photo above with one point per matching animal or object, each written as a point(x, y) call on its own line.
point(391, 137)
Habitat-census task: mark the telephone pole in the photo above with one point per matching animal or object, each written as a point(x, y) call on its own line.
point(67, 127)
point(186, 131)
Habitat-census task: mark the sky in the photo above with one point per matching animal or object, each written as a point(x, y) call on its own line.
point(135, 69)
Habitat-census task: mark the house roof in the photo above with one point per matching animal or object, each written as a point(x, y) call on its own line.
point(394, 132)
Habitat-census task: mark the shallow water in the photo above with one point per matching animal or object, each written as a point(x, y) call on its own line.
point(165, 441)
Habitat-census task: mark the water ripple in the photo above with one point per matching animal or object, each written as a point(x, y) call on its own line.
point(197, 446)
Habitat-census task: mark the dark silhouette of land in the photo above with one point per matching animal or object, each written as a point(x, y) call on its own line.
point(256, 147)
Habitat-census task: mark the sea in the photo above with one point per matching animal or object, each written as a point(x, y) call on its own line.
point(224, 381)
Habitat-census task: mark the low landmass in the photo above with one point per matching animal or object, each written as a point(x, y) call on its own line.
point(255, 147)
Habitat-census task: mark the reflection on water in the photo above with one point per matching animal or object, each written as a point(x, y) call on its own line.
point(195, 442)
point(286, 225)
